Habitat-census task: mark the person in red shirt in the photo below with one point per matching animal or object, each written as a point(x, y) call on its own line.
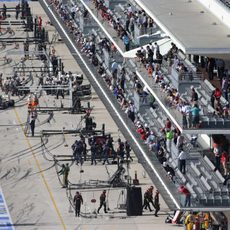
point(217, 94)
point(168, 124)
point(187, 194)
point(224, 161)
point(39, 23)
point(139, 128)
point(142, 132)
point(143, 136)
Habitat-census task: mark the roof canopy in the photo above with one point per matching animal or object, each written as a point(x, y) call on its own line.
point(193, 29)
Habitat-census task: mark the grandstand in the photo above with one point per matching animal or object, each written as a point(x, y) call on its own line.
point(207, 36)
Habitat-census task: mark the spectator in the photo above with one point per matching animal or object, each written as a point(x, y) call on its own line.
point(186, 112)
point(195, 116)
point(181, 71)
point(182, 161)
point(194, 96)
point(210, 68)
point(187, 194)
point(169, 138)
point(212, 99)
point(127, 23)
point(150, 70)
point(156, 47)
point(138, 87)
point(217, 94)
point(73, 11)
point(219, 109)
point(149, 55)
point(193, 140)
point(152, 101)
point(141, 131)
point(114, 68)
point(132, 26)
point(168, 124)
point(122, 79)
point(158, 60)
point(180, 141)
point(217, 154)
point(126, 41)
point(170, 171)
point(224, 162)
point(161, 155)
point(224, 88)
point(145, 93)
point(150, 139)
point(131, 111)
point(220, 64)
point(129, 10)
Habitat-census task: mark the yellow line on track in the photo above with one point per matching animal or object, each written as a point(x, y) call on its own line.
point(41, 173)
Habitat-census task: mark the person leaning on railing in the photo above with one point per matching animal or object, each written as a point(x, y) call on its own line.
point(187, 194)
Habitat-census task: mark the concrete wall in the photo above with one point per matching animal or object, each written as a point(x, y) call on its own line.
point(218, 9)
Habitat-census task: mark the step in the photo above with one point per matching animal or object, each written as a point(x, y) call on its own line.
point(205, 183)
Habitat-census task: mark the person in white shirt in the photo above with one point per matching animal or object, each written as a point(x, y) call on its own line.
point(186, 111)
point(156, 50)
point(151, 140)
point(182, 161)
point(73, 11)
point(130, 10)
point(131, 111)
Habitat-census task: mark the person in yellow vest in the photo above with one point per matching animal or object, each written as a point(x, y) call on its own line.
point(189, 221)
point(169, 138)
point(207, 221)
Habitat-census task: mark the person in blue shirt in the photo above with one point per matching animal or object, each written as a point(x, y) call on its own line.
point(195, 116)
point(126, 42)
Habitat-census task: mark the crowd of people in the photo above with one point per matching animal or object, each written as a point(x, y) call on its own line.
point(160, 142)
point(154, 201)
point(59, 85)
point(78, 201)
point(102, 149)
point(11, 85)
point(125, 26)
point(190, 107)
point(198, 221)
